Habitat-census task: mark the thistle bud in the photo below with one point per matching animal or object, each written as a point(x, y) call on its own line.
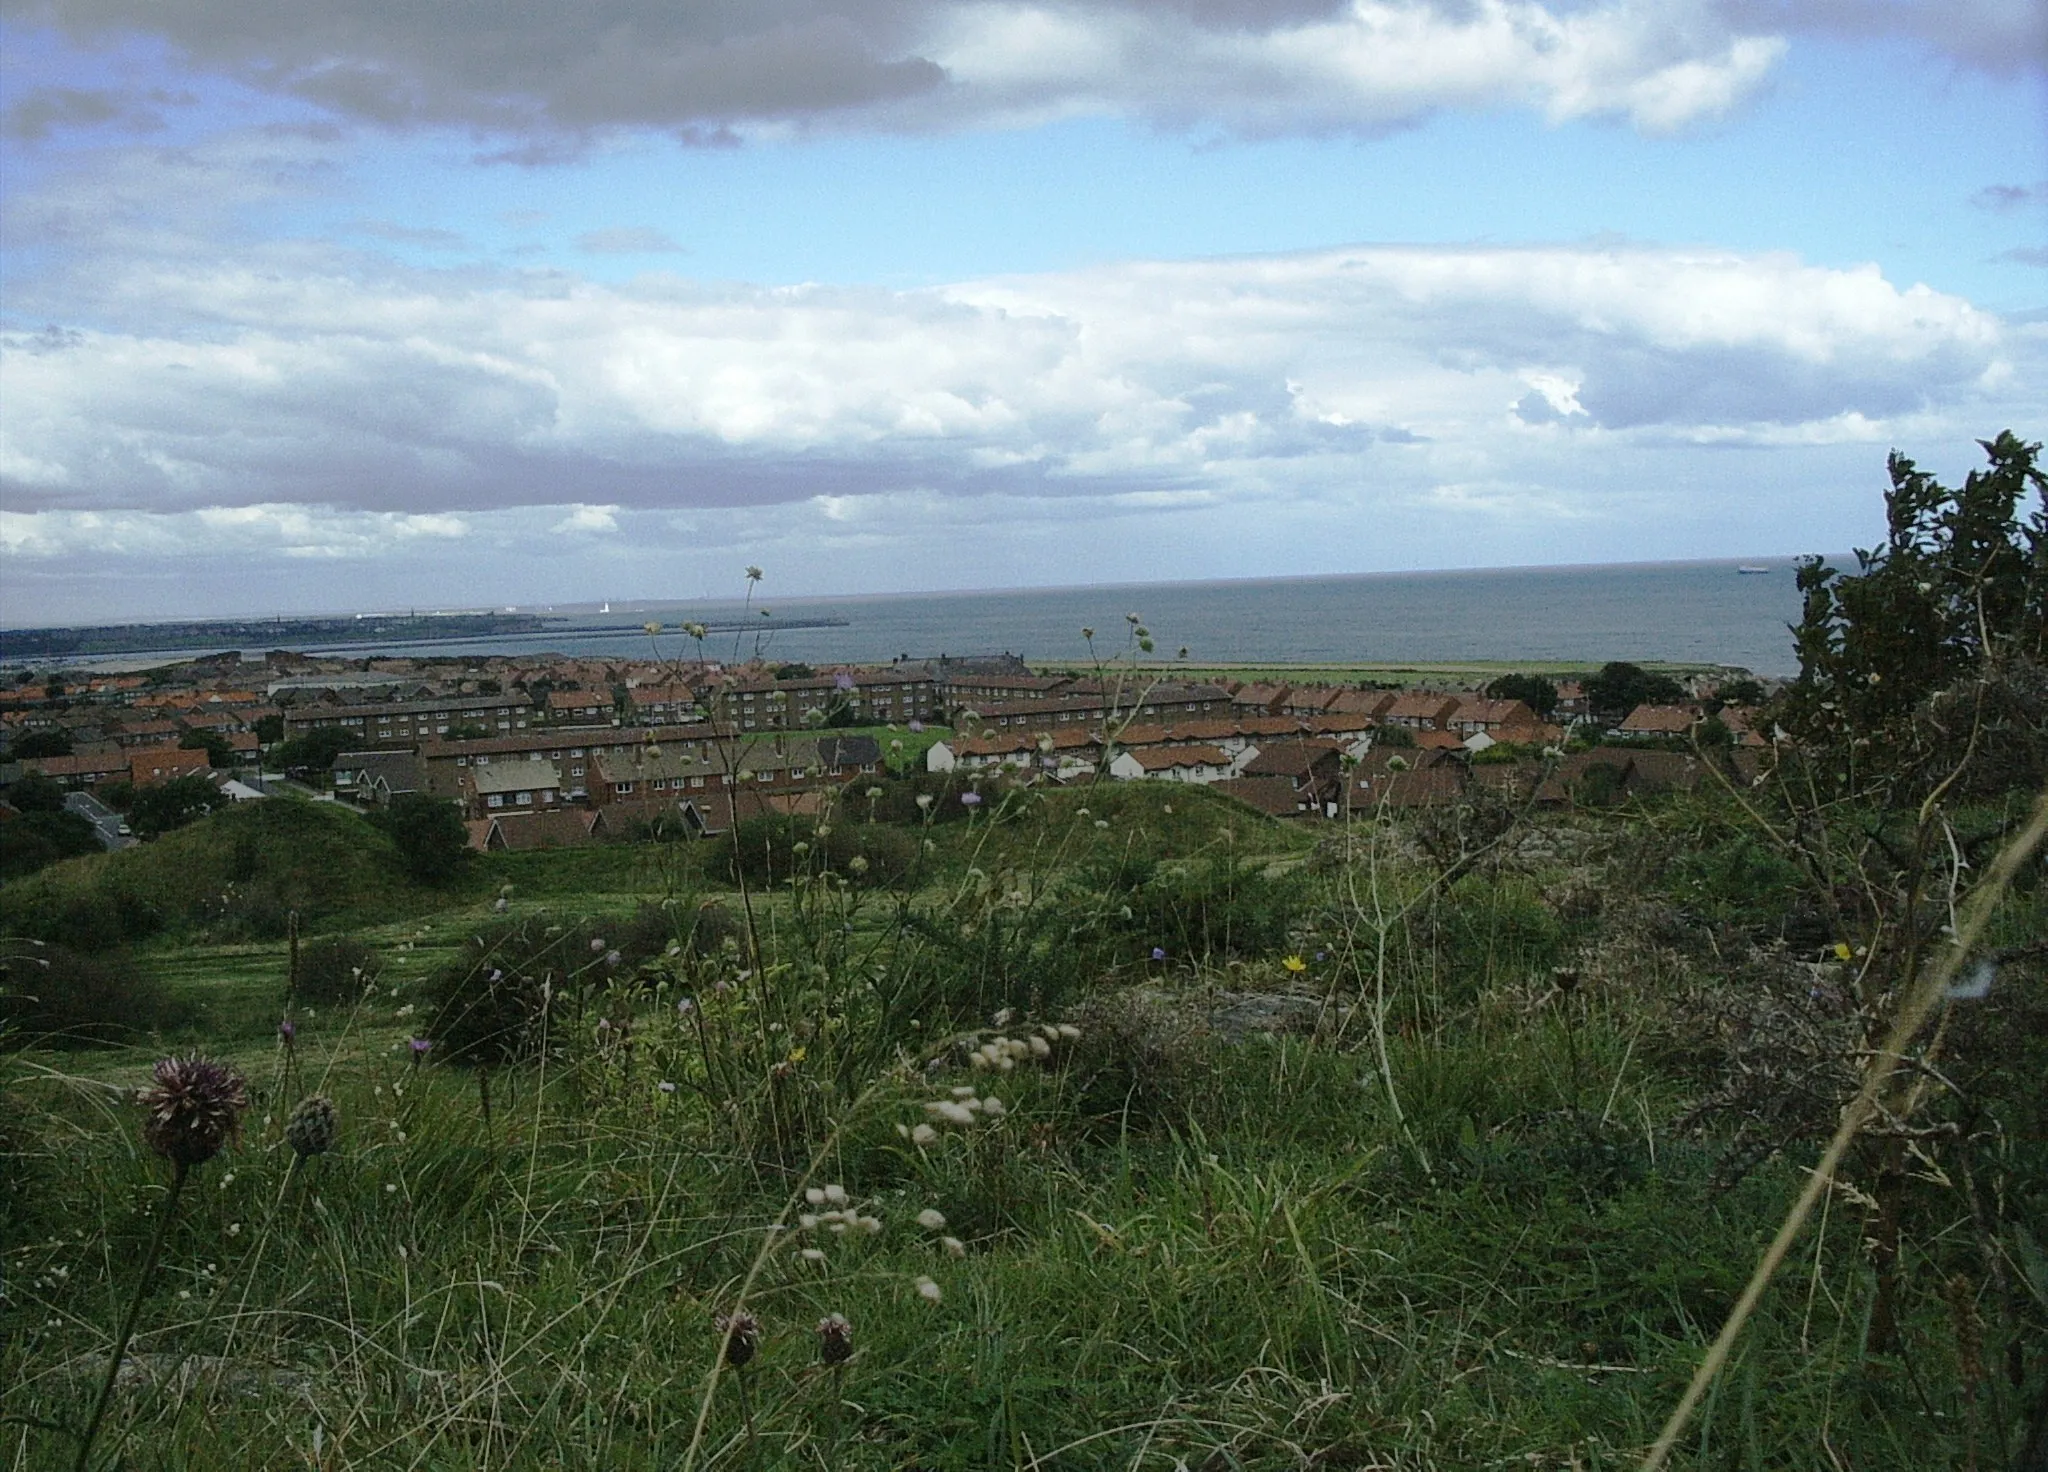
point(193, 1110)
point(742, 1333)
point(310, 1131)
point(835, 1339)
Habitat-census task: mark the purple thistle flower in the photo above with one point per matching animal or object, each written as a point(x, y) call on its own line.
point(971, 799)
point(611, 958)
point(194, 1108)
point(421, 1047)
point(1158, 953)
point(287, 1031)
point(917, 725)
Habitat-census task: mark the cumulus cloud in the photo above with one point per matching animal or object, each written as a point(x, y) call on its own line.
point(431, 393)
point(545, 74)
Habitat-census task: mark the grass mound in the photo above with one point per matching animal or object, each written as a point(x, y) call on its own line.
point(235, 875)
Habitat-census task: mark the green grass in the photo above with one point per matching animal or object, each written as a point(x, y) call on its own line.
point(1473, 1229)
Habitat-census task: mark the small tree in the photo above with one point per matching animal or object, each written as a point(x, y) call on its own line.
point(40, 743)
point(218, 752)
point(431, 839)
point(1620, 687)
point(159, 808)
point(1943, 633)
point(1532, 690)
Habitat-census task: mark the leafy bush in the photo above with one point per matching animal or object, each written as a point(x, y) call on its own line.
point(491, 1003)
point(335, 969)
point(51, 996)
point(701, 929)
point(766, 851)
point(1742, 879)
point(36, 840)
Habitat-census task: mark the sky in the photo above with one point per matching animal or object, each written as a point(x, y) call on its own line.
point(367, 304)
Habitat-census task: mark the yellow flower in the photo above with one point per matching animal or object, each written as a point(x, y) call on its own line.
point(1295, 963)
point(1842, 950)
point(796, 1055)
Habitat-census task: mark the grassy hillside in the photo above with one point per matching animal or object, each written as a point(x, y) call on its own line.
point(236, 873)
point(1422, 1144)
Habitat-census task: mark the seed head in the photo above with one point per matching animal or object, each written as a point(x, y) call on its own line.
point(310, 1131)
point(927, 1290)
point(835, 1339)
point(931, 1220)
point(742, 1332)
point(194, 1108)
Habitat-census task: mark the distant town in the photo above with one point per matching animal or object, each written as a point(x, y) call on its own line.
point(553, 750)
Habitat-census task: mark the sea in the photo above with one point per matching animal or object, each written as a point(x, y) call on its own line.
point(1689, 612)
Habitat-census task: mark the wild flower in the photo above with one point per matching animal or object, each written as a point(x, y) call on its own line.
point(193, 1110)
point(923, 1135)
point(287, 1033)
point(835, 1339)
point(931, 1220)
point(666, 1086)
point(927, 1290)
point(312, 1128)
point(916, 726)
point(970, 799)
point(501, 905)
point(741, 1332)
point(812, 1254)
point(596, 944)
point(1295, 964)
point(924, 800)
point(1159, 953)
point(953, 1246)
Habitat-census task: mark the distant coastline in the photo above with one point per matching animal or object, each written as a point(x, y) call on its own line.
point(1692, 613)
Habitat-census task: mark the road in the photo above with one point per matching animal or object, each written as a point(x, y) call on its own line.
point(105, 821)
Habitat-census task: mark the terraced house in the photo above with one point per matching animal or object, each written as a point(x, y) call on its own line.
point(408, 722)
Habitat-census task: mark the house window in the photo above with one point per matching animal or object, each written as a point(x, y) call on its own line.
point(622, 788)
point(495, 800)
point(526, 799)
point(576, 770)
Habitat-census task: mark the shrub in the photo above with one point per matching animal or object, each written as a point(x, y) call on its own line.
point(765, 850)
point(701, 929)
point(100, 914)
point(491, 1003)
point(335, 969)
point(51, 996)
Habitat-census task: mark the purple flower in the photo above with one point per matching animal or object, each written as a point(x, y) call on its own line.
point(971, 799)
point(611, 958)
point(1319, 955)
point(287, 1031)
point(596, 943)
point(685, 1006)
point(420, 1047)
point(496, 976)
point(917, 725)
point(1158, 953)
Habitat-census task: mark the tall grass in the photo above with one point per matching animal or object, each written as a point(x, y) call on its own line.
point(1456, 1218)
